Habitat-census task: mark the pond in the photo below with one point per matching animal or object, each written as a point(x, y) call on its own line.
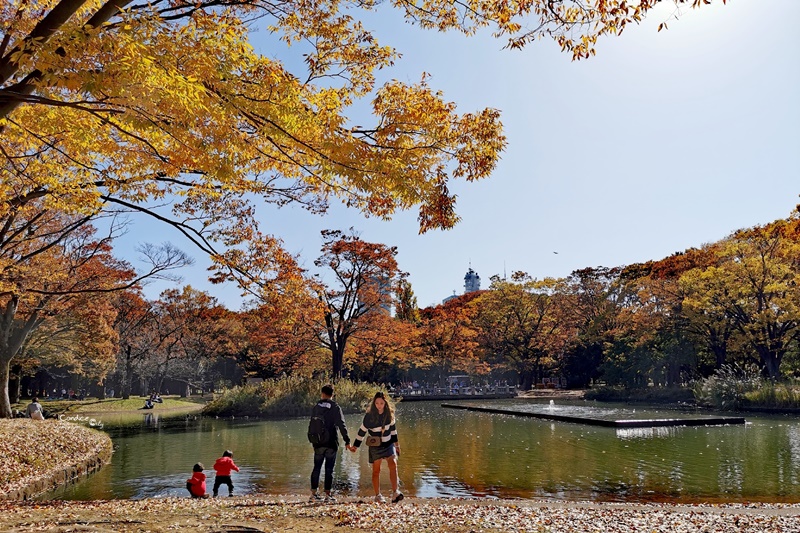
point(458, 453)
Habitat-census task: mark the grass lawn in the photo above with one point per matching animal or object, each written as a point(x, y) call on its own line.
point(94, 406)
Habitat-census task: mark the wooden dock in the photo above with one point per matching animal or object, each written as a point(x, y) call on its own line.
point(628, 423)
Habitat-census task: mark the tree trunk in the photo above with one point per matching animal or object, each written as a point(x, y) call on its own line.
point(720, 352)
point(14, 384)
point(772, 362)
point(5, 403)
point(526, 379)
point(770, 358)
point(128, 377)
point(338, 361)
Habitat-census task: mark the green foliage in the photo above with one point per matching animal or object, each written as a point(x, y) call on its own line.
point(659, 395)
point(729, 385)
point(784, 395)
point(111, 405)
point(290, 396)
point(627, 365)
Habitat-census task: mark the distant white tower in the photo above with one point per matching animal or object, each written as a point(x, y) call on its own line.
point(472, 281)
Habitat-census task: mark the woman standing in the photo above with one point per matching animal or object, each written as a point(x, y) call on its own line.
point(380, 433)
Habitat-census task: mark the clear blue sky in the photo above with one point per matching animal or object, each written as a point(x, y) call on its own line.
point(662, 142)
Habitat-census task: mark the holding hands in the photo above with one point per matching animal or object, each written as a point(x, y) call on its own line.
point(350, 448)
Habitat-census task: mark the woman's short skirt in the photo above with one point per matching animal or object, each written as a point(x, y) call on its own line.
point(381, 452)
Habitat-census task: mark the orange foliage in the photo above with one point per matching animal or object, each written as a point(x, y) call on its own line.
point(446, 337)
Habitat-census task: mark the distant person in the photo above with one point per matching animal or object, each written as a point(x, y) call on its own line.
point(34, 409)
point(379, 431)
point(196, 485)
point(223, 468)
point(326, 417)
point(148, 404)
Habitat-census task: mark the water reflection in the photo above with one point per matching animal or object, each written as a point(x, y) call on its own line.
point(457, 453)
point(646, 433)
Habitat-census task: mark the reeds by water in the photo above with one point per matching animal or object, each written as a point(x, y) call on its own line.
point(288, 396)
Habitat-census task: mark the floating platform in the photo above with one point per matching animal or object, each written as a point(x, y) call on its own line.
point(440, 397)
point(629, 423)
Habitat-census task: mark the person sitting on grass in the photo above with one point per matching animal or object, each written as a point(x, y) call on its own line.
point(148, 404)
point(196, 485)
point(34, 409)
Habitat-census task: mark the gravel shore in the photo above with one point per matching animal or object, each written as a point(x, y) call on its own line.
point(293, 513)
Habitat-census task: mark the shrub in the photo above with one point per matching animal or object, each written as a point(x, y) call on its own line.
point(660, 395)
point(288, 397)
point(727, 388)
point(774, 395)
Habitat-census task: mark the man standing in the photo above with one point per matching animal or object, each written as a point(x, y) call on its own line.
point(325, 418)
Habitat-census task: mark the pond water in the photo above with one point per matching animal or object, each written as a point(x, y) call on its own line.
point(458, 453)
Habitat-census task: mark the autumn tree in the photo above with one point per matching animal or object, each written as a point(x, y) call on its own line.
point(133, 325)
point(80, 339)
point(168, 100)
point(46, 273)
point(755, 286)
point(118, 105)
point(283, 334)
point(616, 323)
point(406, 308)
point(363, 276)
point(190, 331)
point(655, 329)
point(593, 312)
point(708, 329)
point(518, 324)
point(383, 344)
point(446, 338)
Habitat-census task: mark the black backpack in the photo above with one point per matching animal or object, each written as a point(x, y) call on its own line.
point(318, 434)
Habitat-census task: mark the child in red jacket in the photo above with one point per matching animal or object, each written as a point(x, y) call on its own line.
point(223, 467)
point(197, 483)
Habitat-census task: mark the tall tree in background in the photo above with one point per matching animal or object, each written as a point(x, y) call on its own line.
point(364, 274)
point(757, 287)
point(593, 298)
point(406, 308)
point(446, 338)
point(707, 329)
point(656, 328)
point(80, 339)
point(382, 345)
point(188, 334)
point(51, 281)
point(518, 323)
point(283, 335)
point(133, 325)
